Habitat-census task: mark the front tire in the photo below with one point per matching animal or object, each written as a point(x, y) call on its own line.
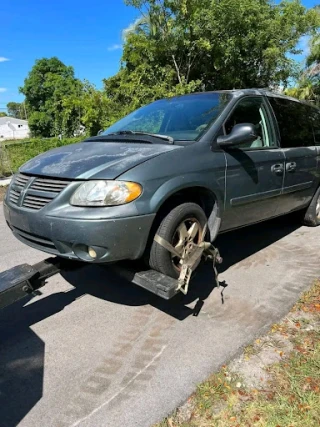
point(312, 215)
point(183, 224)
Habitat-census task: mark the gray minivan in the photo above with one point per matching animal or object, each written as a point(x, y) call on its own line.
point(227, 159)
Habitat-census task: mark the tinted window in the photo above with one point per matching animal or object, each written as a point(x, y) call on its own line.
point(294, 123)
point(252, 110)
point(316, 125)
point(183, 118)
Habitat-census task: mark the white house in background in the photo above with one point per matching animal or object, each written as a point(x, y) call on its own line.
point(11, 128)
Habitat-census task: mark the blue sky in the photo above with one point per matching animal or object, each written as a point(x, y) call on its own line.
point(86, 35)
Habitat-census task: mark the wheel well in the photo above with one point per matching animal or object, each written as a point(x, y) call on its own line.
point(205, 198)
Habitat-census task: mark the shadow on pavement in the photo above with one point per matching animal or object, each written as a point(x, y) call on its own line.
point(234, 247)
point(22, 351)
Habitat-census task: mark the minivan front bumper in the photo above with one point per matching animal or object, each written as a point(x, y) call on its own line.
point(112, 239)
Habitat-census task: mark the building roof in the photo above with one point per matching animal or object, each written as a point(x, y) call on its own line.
point(4, 120)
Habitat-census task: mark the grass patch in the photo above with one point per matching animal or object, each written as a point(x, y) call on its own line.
point(289, 398)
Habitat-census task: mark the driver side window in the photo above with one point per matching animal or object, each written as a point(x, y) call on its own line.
point(252, 110)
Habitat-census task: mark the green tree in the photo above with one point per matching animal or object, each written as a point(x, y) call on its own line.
point(181, 46)
point(16, 109)
point(92, 106)
point(224, 44)
point(2, 114)
point(48, 82)
point(175, 47)
point(308, 83)
point(313, 60)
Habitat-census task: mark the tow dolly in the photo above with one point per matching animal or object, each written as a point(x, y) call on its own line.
point(25, 279)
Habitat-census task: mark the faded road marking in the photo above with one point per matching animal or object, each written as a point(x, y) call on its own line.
point(157, 356)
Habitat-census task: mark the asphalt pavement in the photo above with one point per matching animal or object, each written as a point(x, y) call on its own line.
point(94, 350)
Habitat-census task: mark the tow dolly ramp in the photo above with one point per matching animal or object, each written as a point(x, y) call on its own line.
point(25, 279)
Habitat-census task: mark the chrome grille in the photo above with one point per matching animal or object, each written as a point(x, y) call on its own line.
point(14, 196)
point(52, 185)
point(21, 180)
point(35, 202)
point(39, 191)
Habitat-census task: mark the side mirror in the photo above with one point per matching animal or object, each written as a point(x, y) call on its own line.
point(100, 132)
point(243, 132)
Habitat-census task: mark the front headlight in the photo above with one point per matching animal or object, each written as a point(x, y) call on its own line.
point(105, 193)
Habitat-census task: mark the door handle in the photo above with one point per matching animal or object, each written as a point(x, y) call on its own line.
point(277, 169)
point(291, 167)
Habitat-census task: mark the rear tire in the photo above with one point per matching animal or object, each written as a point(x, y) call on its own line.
point(182, 224)
point(312, 215)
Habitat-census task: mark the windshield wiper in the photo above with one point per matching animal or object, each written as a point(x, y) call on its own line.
point(132, 132)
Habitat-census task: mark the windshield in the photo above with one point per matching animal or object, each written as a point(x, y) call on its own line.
point(183, 118)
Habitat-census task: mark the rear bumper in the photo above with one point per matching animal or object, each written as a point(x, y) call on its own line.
point(112, 239)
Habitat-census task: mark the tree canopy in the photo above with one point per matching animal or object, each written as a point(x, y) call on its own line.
point(45, 87)
point(308, 83)
point(17, 110)
point(179, 46)
point(224, 44)
point(176, 47)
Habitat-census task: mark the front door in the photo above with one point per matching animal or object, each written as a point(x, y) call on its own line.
point(255, 171)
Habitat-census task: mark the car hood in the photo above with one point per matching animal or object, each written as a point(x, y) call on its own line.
point(93, 160)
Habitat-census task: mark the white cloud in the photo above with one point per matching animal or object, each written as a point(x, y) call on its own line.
point(304, 45)
point(3, 89)
point(131, 28)
point(3, 59)
point(114, 47)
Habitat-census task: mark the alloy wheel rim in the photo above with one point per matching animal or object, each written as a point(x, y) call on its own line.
point(318, 207)
point(187, 234)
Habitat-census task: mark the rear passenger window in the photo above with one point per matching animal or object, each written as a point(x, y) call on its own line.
point(294, 123)
point(316, 125)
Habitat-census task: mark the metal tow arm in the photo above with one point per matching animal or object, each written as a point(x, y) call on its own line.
point(191, 257)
